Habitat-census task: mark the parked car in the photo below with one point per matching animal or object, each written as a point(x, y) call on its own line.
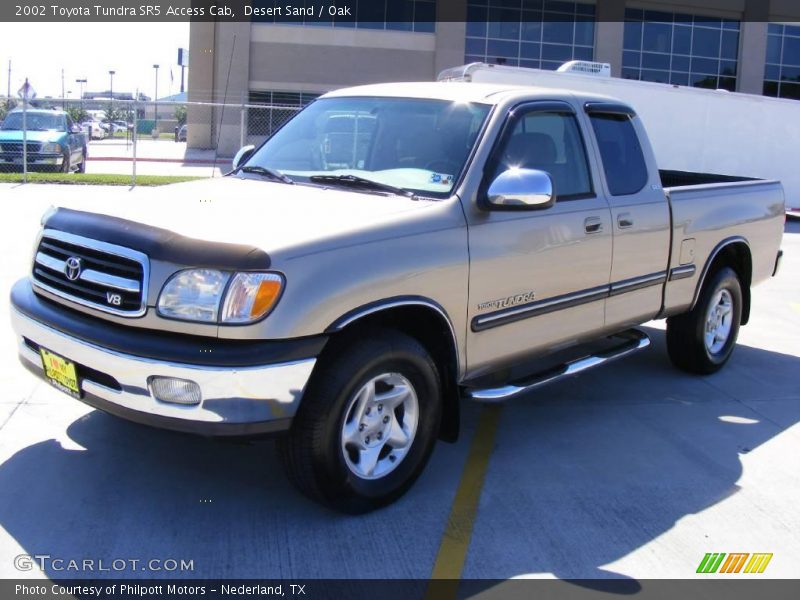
point(484, 241)
point(113, 127)
point(95, 129)
point(53, 142)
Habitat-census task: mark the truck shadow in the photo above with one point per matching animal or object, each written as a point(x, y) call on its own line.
point(594, 468)
point(582, 475)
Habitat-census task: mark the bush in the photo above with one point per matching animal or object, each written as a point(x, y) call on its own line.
point(77, 114)
point(6, 106)
point(180, 115)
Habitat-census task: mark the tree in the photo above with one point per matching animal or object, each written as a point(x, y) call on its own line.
point(180, 115)
point(115, 114)
point(78, 114)
point(6, 107)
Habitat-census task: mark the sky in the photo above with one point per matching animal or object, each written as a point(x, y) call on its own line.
point(89, 51)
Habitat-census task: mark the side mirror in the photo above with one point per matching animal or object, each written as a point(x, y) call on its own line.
point(76, 129)
point(242, 155)
point(521, 189)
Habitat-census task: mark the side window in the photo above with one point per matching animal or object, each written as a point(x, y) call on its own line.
point(69, 124)
point(549, 142)
point(623, 160)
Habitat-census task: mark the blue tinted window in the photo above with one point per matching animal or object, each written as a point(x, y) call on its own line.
point(631, 59)
point(556, 52)
point(676, 78)
point(651, 60)
point(584, 33)
point(621, 154)
point(774, 43)
point(657, 37)
point(680, 48)
point(705, 42)
point(682, 40)
point(558, 32)
point(530, 33)
point(657, 76)
point(528, 50)
point(791, 51)
point(628, 73)
point(680, 63)
point(782, 68)
point(502, 48)
point(730, 45)
point(633, 36)
point(398, 15)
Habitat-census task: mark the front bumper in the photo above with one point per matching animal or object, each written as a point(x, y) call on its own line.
point(236, 400)
point(34, 159)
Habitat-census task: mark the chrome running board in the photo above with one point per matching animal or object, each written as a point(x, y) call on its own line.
point(634, 340)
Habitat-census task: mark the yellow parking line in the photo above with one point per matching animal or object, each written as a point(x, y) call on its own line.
point(457, 534)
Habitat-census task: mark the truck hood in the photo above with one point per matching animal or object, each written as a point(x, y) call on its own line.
point(15, 135)
point(272, 216)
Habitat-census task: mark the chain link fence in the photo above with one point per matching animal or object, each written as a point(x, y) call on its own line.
point(134, 137)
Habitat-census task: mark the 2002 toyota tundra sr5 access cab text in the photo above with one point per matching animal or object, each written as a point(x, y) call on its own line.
point(389, 251)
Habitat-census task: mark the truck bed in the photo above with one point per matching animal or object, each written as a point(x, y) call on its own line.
point(673, 179)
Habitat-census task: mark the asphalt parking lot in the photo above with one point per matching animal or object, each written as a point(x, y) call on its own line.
point(632, 471)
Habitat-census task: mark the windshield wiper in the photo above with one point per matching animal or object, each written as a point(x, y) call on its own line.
point(361, 182)
point(271, 173)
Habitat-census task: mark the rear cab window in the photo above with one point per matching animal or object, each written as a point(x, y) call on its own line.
point(621, 153)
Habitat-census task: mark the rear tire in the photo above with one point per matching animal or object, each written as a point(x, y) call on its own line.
point(367, 423)
point(702, 340)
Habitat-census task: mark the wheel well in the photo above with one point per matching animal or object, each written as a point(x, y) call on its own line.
point(431, 329)
point(736, 255)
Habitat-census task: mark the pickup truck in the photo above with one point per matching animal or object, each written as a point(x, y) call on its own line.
point(54, 142)
point(347, 287)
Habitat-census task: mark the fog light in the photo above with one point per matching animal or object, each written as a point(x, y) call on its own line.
point(174, 391)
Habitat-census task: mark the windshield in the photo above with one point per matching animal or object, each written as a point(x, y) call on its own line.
point(35, 121)
point(414, 144)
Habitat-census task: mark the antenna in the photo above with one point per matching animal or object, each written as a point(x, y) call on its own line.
point(222, 112)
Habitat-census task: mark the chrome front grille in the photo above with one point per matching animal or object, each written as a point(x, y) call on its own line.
point(16, 147)
point(104, 276)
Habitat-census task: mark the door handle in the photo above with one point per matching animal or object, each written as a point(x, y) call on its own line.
point(593, 225)
point(624, 220)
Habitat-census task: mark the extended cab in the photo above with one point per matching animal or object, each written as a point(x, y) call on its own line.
point(54, 142)
point(390, 251)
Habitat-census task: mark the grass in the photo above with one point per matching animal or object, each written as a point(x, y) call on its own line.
point(164, 135)
point(95, 179)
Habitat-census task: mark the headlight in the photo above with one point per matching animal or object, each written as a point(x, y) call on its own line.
point(193, 295)
point(200, 295)
point(250, 296)
point(51, 148)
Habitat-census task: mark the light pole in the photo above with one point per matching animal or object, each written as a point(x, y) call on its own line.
point(111, 75)
point(155, 97)
point(80, 82)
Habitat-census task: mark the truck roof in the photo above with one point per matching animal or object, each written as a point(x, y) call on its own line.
point(456, 91)
point(47, 111)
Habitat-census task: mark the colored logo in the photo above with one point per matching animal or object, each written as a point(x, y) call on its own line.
point(735, 562)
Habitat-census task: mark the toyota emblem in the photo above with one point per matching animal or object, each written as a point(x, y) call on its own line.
point(72, 268)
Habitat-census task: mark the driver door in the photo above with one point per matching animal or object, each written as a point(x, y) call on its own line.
point(538, 277)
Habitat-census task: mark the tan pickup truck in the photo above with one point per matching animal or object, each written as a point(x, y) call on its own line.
point(391, 251)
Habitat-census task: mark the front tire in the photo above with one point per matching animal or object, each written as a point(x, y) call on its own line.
point(367, 423)
point(82, 164)
point(702, 340)
point(66, 164)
